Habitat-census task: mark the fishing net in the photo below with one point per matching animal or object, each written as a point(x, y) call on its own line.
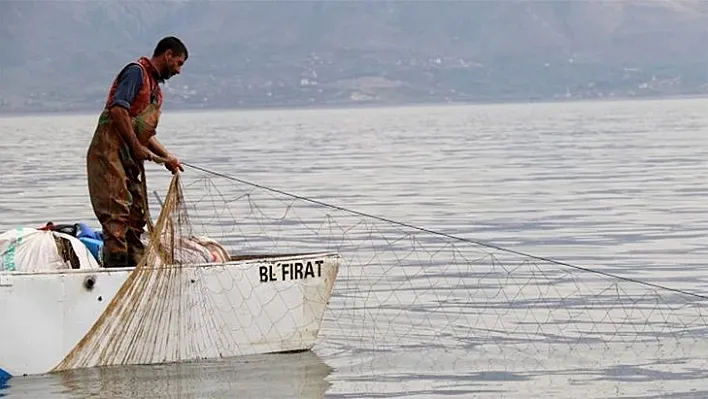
point(172, 308)
point(413, 311)
point(144, 318)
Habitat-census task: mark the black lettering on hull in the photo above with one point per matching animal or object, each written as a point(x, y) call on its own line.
point(290, 271)
point(267, 273)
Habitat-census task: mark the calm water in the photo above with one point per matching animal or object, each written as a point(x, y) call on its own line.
point(618, 187)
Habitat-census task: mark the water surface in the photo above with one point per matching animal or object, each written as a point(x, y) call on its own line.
point(618, 187)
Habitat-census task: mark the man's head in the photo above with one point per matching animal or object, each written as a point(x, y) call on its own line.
point(169, 56)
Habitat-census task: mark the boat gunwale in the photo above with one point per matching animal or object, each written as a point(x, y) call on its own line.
point(235, 260)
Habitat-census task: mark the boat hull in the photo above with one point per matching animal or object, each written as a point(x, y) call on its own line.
point(68, 319)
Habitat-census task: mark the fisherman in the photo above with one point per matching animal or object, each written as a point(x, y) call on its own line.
point(124, 138)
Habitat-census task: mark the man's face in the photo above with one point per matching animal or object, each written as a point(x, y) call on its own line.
point(173, 64)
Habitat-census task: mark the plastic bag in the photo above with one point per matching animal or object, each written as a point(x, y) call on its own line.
point(33, 250)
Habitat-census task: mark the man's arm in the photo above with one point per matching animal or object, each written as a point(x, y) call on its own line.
point(155, 146)
point(173, 163)
point(129, 83)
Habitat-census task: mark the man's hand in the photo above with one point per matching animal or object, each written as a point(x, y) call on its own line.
point(173, 164)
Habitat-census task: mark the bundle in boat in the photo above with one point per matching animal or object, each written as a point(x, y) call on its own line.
point(31, 250)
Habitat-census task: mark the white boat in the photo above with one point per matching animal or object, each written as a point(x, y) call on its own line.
point(76, 318)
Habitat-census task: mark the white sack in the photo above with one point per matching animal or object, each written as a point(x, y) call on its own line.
point(32, 250)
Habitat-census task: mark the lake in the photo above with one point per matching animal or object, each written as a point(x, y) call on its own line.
point(551, 249)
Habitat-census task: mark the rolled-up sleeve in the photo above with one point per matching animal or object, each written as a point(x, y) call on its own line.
point(129, 83)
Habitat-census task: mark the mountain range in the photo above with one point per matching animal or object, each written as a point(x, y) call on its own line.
point(63, 55)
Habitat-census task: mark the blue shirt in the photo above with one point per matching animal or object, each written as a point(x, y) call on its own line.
point(130, 81)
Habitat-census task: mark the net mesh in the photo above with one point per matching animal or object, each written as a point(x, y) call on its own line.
point(144, 307)
point(412, 311)
point(189, 299)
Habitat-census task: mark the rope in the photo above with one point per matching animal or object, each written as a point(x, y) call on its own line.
point(146, 207)
point(450, 236)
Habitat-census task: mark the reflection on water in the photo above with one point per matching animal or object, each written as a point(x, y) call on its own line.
point(288, 375)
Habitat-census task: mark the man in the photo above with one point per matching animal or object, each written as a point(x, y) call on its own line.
point(124, 138)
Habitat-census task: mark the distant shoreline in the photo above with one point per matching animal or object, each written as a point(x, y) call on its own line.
point(88, 111)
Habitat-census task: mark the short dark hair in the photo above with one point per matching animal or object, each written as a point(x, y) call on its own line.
point(171, 43)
